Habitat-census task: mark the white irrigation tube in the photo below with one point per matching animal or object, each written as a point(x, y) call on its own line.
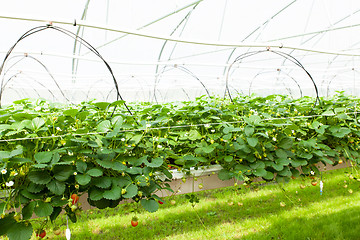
point(322, 31)
point(171, 63)
point(113, 61)
point(88, 24)
point(170, 127)
point(169, 77)
point(150, 23)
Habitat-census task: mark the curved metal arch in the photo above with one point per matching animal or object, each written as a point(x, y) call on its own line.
point(331, 80)
point(282, 54)
point(26, 56)
point(252, 80)
point(183, 69)
point(33, 88)
point(73, 36)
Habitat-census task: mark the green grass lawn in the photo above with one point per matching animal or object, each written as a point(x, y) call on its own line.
point(237, 213)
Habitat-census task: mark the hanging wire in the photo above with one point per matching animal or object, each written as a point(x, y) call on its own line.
point(183, 69)
point(34, 87)
point(27, 56)
point(72, 35)
point(288, 89)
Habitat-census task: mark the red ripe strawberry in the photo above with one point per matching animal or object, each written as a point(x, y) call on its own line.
point(160, 202)
point(74, 198)
point(41, 234)
point(313, 183)
point(134, 221)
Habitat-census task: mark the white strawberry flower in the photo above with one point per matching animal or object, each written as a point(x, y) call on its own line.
point(3, 171)
point(148, 125)
point(9, 184)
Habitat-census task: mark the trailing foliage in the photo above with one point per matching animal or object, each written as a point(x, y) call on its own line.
point(48, 151)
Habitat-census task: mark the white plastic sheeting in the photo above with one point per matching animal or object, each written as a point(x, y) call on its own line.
point(168, 50)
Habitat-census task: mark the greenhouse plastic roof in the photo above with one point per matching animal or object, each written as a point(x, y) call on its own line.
point(169, 50)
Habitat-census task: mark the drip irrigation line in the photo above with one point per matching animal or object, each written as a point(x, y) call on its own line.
point(181, 40)
point(171, 127)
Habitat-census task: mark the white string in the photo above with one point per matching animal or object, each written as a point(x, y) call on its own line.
point(168, 127)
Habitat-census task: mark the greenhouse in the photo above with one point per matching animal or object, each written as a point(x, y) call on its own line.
point(179, 119)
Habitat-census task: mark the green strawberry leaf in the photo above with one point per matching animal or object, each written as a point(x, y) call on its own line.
point(150, 205)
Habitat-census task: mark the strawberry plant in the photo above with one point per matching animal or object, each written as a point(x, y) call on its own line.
point(51, 153)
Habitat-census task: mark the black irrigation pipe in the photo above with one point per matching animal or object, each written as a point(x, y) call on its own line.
point(75, 37)
point(282, 54)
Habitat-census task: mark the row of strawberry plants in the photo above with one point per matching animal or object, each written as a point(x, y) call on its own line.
point(52, 153)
